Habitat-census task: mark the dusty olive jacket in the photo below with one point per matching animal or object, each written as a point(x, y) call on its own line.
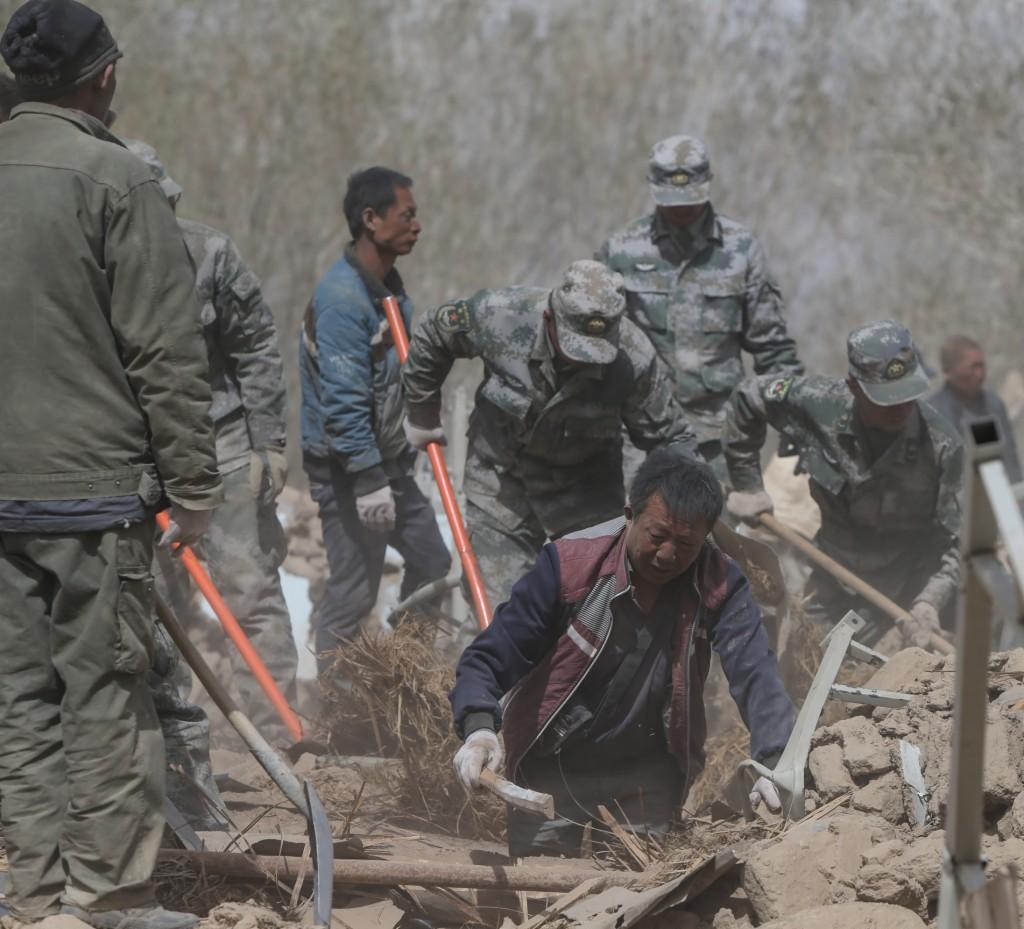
point(103, 368)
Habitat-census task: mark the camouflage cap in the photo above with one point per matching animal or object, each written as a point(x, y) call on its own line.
point(679, 171)
point(588, 306)
point(172, 190)
point(884, 361)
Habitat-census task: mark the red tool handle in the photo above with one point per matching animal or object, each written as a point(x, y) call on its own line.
point(236, 633)
point(444, 483)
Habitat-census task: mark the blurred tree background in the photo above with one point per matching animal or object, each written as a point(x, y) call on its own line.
point(874, 146)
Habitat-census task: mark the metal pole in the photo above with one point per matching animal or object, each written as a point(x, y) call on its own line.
point(988, 507)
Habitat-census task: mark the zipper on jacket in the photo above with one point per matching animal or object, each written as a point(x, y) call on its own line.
point(558, 709)
point(686, 689)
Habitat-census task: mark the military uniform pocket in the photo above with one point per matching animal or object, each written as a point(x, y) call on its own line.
point(722, 309)
point(721, 322)
point(647, 296)
point(134, 647)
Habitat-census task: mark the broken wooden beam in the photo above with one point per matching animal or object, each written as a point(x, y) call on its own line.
point(553, 878)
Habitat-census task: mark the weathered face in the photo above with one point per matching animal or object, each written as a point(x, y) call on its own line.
point(399, 228)
point(883, 418)
point(662, 548)
point(967, 375)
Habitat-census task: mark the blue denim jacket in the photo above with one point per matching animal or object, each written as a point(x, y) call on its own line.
point(352, 401)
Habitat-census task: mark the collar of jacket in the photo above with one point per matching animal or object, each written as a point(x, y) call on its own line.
point(904, 447)
point(950, 398)
point(709, 229)
point(391, 286)
point(83, 121)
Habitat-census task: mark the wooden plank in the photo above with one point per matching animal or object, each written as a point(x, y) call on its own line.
point(551, 877)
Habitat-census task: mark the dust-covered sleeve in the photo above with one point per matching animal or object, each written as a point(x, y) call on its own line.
point(346, 322)
point(651, 414)
point(444, 335)
point(249, 338)
point(764, 322)
point(943, 584)
point(759, 402)
point(154, 314)
point(752, 670)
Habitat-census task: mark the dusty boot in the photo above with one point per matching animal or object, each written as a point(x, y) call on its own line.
point(148, 917)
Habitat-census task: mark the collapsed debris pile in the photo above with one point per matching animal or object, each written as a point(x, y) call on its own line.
point(867, 854)
point(883, 847)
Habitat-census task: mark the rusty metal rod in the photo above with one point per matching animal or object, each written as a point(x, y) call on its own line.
point(846, 577)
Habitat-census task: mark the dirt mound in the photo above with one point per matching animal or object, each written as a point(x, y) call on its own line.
point(877, 851)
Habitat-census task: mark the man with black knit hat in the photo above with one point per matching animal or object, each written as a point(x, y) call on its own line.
point(106, 418)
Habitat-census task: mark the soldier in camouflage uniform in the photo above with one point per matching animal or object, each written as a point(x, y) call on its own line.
point(698, 286)
point(245, 545)
point(885, 471)
point(564, 372)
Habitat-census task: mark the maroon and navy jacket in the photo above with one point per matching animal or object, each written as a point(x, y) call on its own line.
point(521, 671)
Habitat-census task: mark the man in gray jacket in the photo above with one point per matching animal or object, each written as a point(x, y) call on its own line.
point(105, 416)
point(964, 396)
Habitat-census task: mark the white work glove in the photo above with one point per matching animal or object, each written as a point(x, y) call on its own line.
point(420, 438)
point(747, 505)
point(480, 750)
point(376, 510)
point(268, 473)
point(187, 526)
point(765, 790)
point(923, 624)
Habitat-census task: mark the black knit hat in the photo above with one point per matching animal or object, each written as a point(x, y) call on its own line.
point(52, 46)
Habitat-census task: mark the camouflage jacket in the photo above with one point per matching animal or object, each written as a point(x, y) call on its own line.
point(245, 363)
point(885, 518)
point(549, 426)
point(702, 300)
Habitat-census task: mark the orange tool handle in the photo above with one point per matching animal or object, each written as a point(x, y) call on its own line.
point(444, 483)
point(236, 633)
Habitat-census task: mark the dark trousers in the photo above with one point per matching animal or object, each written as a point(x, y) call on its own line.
point(645, 795)
point(355, 554)
point(81, 756)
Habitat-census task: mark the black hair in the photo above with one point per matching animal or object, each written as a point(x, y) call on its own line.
point(688, 488)
point(372, 189)
point(9, 96)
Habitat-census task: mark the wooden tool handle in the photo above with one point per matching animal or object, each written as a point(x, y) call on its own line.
point(845, 576)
